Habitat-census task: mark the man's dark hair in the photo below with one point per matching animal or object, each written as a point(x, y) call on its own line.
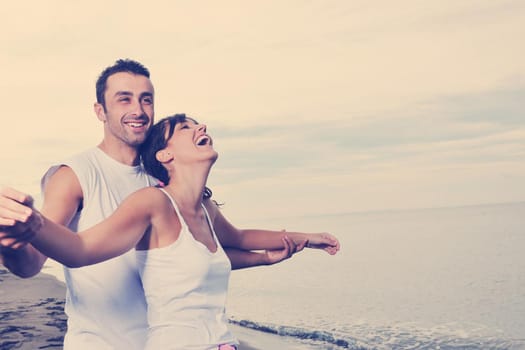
point(121, 65)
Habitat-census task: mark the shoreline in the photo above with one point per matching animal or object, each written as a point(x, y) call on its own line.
point(32, 316)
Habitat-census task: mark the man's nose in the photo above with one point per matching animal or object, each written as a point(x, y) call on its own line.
point(137, 108)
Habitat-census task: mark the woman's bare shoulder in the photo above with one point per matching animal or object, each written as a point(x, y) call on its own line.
point(211, 207)
point(148, 196)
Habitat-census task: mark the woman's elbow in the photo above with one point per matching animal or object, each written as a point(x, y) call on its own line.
point(72, 264)
point(76, 263)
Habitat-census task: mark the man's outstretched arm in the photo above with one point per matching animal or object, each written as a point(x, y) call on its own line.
point(62, 196)
point(241, 259)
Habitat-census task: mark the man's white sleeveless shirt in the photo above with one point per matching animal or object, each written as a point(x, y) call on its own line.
point(105, 302)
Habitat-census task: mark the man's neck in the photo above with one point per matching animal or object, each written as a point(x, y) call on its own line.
point(124, 154)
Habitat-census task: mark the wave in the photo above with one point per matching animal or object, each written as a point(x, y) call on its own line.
point(299, 333)
point(367, 338)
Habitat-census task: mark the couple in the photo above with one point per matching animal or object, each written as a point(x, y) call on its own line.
point(177, 231)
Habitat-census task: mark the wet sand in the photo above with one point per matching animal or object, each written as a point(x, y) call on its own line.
point(31, 312)
point(32, 315)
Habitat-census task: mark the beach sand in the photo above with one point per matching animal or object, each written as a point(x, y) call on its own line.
point(32, 317)
point(31, 312)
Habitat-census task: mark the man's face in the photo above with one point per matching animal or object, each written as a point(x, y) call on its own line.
point(129, 108)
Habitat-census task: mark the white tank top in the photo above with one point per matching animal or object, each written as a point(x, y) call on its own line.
point(186, 286)
point(105, 302)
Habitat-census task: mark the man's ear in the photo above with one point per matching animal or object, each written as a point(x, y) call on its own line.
point(163, 156)
point(99, 111)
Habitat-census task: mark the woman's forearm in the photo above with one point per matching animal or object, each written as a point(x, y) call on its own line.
point(264, 239)
point(267, 239)
point(60, 244)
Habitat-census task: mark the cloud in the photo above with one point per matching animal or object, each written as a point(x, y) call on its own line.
point(429, 151)
point(397, 104)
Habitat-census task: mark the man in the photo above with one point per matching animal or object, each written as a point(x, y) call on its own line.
point(105, 302)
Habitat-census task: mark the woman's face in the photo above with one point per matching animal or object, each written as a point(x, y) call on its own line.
point(190, 142)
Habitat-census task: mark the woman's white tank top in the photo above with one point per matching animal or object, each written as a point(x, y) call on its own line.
point(186, 286)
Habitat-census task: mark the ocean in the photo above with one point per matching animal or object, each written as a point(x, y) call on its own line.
point(448, 278)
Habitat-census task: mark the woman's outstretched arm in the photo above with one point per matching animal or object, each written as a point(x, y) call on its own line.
point(257, 239)
point(112, 237)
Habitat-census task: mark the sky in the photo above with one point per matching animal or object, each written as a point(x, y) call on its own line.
point(317, 107)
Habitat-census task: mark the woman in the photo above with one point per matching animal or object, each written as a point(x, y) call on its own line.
point(176, 232)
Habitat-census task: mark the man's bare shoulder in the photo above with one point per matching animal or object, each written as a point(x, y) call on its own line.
point(64, 182)
point(64, 172)
point(62, 195)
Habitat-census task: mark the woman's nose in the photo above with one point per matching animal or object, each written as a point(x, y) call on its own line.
point(202, 127)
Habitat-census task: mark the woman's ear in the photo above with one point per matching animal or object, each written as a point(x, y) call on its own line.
point(163, 156)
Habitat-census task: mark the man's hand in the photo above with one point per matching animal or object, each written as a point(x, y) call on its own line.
point(289, 249)
point(18, 220)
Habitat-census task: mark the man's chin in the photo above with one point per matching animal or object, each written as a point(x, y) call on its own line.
point(136, 141)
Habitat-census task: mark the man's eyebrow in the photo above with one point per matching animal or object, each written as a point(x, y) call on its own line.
point(123, 93)
point(146, 94)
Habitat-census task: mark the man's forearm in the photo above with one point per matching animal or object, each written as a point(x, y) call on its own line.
point(24, 262)
point(241, 259)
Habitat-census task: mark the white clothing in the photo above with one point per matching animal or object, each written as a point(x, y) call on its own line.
point(186, 286)
point(105, 302)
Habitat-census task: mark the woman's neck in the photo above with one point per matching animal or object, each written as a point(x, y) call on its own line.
point(187, 187)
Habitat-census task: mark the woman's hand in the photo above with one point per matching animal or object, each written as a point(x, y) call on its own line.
point(324, 241)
